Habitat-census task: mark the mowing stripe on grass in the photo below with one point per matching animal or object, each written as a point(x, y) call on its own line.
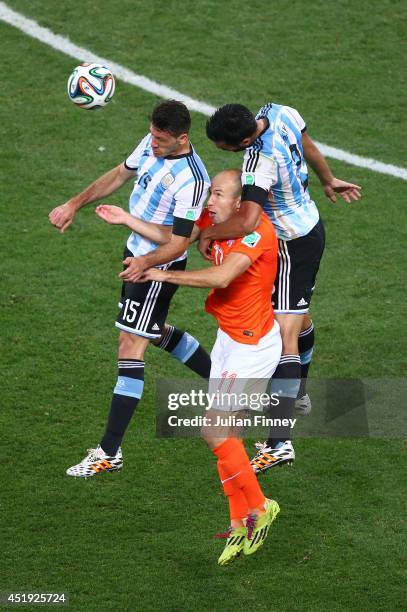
point(64, 45)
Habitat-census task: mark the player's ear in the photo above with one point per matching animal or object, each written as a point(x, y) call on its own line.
point(245, 142)
point(182, 139)
point(238, 200)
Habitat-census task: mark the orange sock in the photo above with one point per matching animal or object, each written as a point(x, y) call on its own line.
point(238, 508)
point(233, 461)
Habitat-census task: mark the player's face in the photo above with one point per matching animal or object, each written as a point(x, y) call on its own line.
point(164, 144)
point(222, 203)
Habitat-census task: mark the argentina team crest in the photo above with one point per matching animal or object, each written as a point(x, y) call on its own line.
point(167, 180)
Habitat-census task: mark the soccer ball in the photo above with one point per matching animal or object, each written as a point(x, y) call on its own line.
point(91, 86)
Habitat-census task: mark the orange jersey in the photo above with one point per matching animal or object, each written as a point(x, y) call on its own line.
point(243, 309)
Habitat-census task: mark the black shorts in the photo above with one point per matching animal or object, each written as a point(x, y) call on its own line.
point(298, 264)
point(144, 306)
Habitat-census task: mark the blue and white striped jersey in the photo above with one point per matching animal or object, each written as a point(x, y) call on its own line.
point(275, 162)
point(165, 187)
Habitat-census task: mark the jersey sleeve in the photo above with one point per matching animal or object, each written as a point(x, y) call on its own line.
point(297, 118)
point(259, 170)
point(190, 198)
point(133, 160)
point(258, 242)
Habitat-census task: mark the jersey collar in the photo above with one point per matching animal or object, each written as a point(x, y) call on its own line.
point(190, 152)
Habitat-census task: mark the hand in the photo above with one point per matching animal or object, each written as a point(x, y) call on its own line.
point(134, 270)
point(348, 191)
point(153, 274)
point(111, 214)
point(203, 246)
point(62, 216)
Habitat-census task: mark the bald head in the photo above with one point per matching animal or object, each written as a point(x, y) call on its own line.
point(229, 180)
point(226, 190)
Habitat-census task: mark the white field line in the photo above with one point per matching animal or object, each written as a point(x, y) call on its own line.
point(64, 45)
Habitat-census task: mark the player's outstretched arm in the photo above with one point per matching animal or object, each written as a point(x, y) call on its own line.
point(115, 215)
point(62, 216)
point(237, 226)
point(331, 185)
point(163, 254)
point(182, 233)
point(215, 277)
point(348, 191)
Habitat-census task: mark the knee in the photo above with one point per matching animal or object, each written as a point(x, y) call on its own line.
point(131, 345)
point(210, 432)
point(207, 434)
point(290, 346)
point(125, 341)
point(289, 337)
point(290, 327)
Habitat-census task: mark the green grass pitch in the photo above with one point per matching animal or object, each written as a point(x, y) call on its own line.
point(143, 539)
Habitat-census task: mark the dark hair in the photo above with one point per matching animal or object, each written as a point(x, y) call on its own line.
point(231, 124)
point(171, 116)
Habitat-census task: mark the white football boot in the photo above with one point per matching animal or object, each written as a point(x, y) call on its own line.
point(268, 457)
point(95, 462)
point(303, 405)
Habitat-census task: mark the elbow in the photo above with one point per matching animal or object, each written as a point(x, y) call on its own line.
point(223, 282)
point(165, 240)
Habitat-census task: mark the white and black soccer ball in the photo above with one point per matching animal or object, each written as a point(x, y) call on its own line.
point(91, 86)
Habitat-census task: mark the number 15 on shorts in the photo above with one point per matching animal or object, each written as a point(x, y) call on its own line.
point(130, 310)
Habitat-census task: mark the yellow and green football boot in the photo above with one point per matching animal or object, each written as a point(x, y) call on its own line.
point(258, 526)
point(234, 545)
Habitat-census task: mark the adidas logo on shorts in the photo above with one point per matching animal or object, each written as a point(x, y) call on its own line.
point(155, 327)
point(302, 302)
